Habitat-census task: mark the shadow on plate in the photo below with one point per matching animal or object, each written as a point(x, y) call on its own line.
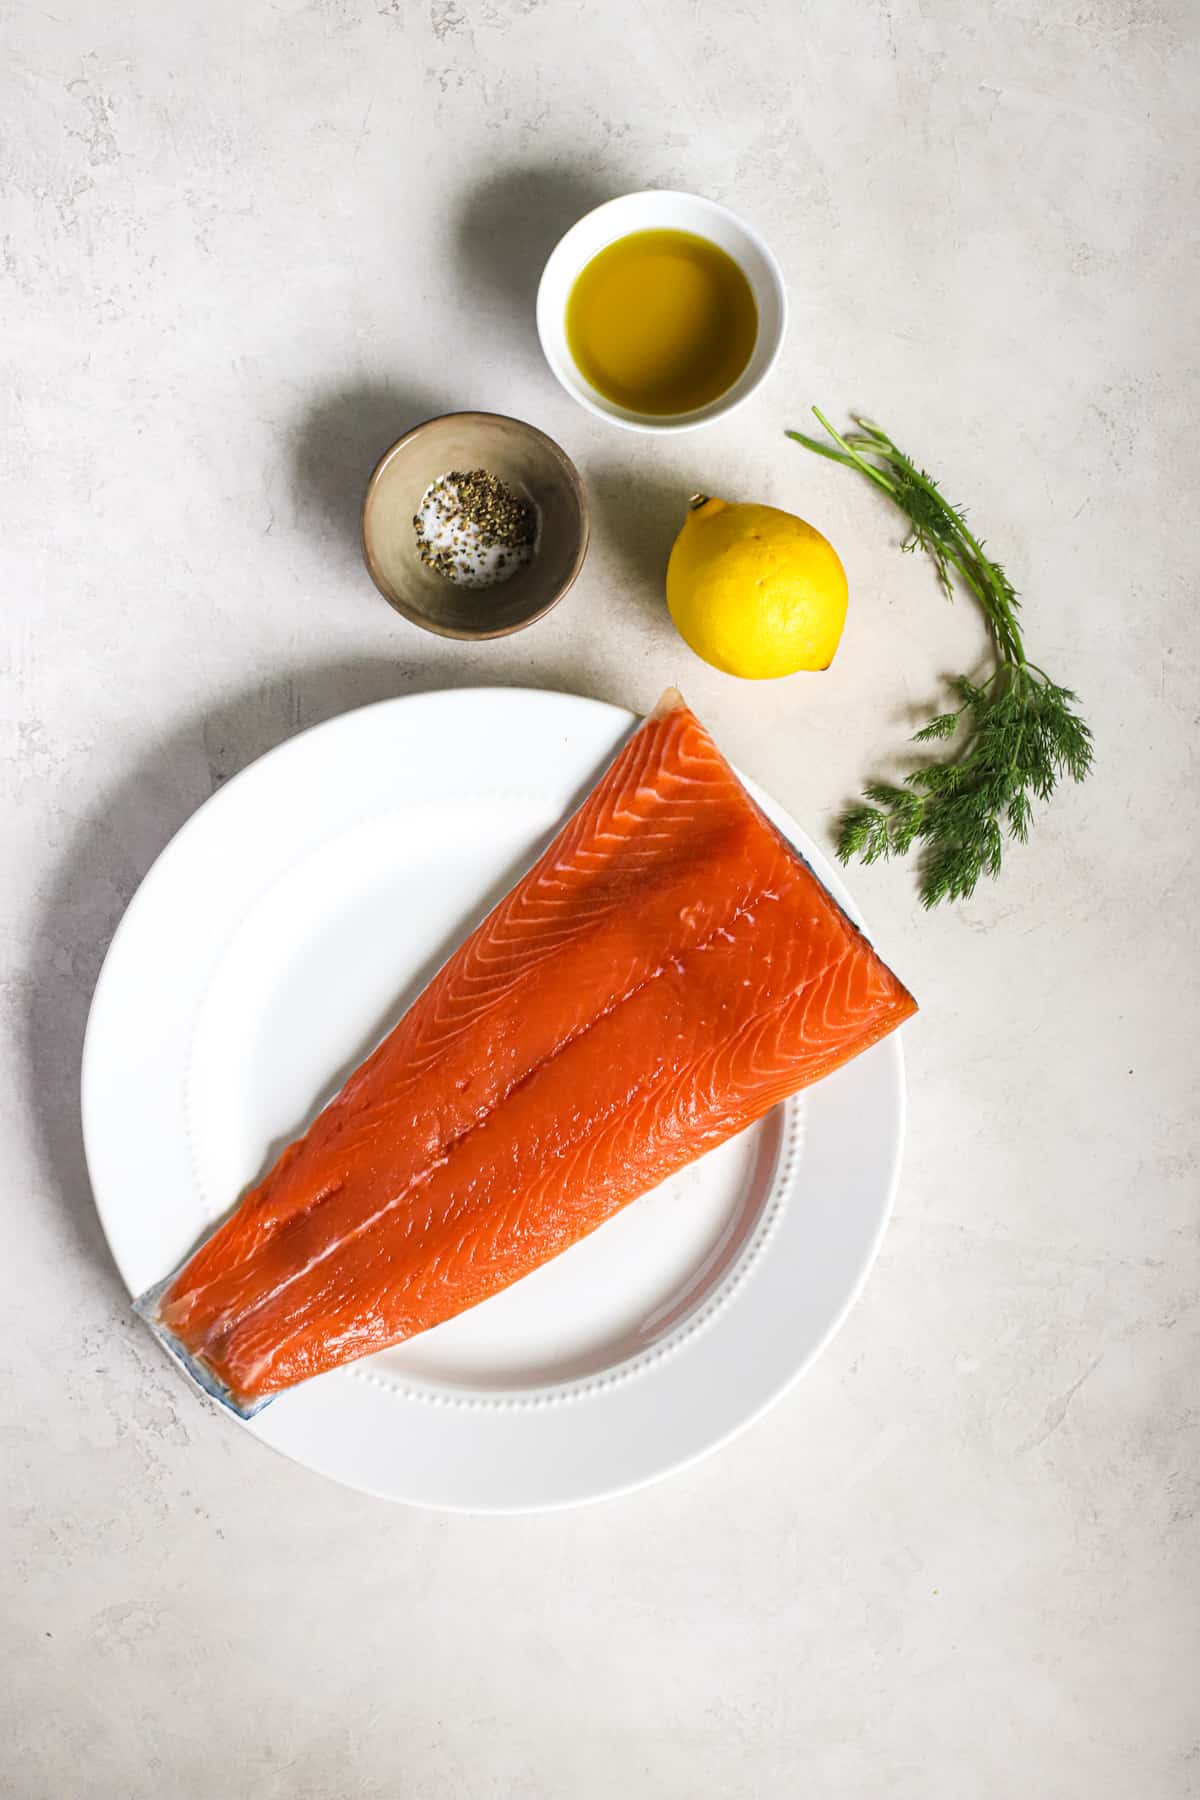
point(114, 848)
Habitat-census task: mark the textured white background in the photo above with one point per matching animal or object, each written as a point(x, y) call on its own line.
point(244, 246)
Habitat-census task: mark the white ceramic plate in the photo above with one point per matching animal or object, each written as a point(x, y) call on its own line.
point(278, 936)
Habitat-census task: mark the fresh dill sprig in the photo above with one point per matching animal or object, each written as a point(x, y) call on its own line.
point(1016, 734)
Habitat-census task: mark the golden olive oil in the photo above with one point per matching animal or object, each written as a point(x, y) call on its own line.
point(661, 322)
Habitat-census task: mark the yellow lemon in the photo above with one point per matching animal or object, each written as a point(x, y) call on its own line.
point(756, 591)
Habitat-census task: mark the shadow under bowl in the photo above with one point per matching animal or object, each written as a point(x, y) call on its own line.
point(520, 455)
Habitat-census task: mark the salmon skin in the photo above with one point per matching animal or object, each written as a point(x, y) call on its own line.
point(668, 970)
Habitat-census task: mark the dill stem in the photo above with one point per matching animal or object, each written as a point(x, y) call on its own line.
point(875, 475)
point(957, 544)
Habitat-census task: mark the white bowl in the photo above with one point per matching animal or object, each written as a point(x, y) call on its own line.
point(661, 211)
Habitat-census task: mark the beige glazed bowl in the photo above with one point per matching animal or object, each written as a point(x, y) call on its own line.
point(519, 454)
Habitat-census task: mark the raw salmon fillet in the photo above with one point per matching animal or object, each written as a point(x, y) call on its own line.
point(668, 970)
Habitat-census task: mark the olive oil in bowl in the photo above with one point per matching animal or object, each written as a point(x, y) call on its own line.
point(661, 322)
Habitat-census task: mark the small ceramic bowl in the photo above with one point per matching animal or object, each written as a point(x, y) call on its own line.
point(519, 454)
point(661, 211)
